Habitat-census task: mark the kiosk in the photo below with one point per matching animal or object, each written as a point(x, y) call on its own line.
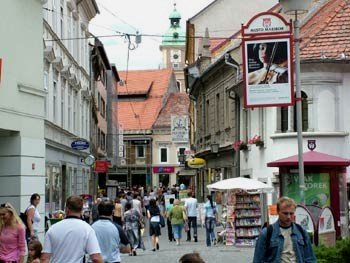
point(325, 181)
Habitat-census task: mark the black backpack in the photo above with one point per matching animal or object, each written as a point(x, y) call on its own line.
point(24, 217)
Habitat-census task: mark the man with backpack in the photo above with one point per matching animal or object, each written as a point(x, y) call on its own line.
point(284, 241)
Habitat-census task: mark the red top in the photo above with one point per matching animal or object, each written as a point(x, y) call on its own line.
point(12, 243)
point(311, 158)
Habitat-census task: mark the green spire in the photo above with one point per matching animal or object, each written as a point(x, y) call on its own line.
point(174, 35)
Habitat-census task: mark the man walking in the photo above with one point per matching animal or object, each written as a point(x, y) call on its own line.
point(70, 239)
point(110, 235)
point(191, 209)
point(284, 241)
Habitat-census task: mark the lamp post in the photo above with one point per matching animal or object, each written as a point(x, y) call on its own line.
point(297, 7)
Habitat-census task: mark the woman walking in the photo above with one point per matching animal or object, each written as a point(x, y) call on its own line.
point(153, 214)
point(168, 222)
point(176, 215)
point(12, 235)
point(132, 219)
point(210, 221)
point(33, 217)
point(118, 212)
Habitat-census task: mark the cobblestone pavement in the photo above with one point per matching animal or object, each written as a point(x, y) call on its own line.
point(169, 252)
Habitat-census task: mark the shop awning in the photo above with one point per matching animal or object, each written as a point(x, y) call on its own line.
point(311, 158)
point(187, 172)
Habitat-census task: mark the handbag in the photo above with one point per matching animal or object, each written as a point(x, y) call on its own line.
point(184, 215)
point(161, 221)
point(186, 227)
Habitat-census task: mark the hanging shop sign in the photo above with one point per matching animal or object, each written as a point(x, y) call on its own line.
point(196, 163)
point(267, 61)
point(101, 166)
point(80, 144)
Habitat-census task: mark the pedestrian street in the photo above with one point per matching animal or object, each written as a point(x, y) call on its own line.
point(169, 252)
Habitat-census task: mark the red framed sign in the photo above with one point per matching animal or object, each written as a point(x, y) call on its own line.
point(267, 53)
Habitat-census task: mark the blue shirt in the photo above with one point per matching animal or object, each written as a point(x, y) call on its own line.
point(208, 210)
point(109, 240)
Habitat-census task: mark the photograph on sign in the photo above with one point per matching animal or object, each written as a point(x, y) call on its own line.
point(268, 72)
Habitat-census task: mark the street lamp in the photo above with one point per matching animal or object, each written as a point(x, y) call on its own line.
point(214, 147)
point(297, 7)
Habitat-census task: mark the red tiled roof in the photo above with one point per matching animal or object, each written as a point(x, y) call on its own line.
point(327, 32)
point(311, 158)
point(141, 114)
point(177, 104)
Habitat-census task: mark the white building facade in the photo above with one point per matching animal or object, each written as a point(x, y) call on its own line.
point(68, 97)
point(22, 144)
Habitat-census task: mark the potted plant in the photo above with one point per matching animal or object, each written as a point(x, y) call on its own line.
point(240, 145)
point(257, 141)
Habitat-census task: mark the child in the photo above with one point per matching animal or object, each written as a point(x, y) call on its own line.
point(34, 251)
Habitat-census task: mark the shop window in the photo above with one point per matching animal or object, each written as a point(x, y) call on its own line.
point(164, 180)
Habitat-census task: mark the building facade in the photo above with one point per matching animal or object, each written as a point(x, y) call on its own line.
point(22, 144)
point(170, 140)
point(68, 97)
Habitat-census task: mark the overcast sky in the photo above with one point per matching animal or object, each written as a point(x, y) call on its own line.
point(148, 17)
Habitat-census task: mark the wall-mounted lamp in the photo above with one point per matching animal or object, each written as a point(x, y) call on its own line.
point(214, 147)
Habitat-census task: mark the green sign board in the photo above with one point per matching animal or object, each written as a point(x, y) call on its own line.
point(317, 190)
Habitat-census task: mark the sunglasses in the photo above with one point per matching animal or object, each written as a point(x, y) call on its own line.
point(288, 213)
point(4, 205)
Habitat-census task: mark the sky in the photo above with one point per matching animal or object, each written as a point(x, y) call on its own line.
point(149, 17)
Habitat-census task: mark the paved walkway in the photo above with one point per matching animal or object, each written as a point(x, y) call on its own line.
point(169, 252)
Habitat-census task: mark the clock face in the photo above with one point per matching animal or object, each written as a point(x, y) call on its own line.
point(89, 160)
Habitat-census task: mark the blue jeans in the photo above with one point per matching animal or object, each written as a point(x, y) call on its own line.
point(177, 231)
point(209, 229)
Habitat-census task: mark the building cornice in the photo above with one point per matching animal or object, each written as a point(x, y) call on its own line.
point(63, 47)
point(308, 135)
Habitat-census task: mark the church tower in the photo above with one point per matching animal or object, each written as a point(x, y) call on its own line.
point(173, 48)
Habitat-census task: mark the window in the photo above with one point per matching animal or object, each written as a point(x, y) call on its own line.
point(63, 104)
point(103, 141)
point(103, 108)
point(87, 119)
point(163, 155)
point(54, 106)
point(69, 31)
point(178, 83)
point(62, 19)
point(82, 124)
point(284, 119)
point(54, 17)
point(70, 94)
point(304, 116)
point(75, 112)
point(217, 111)
point(206, 116)
point(140, 151)
point(98, 137)
point(176, 66)
point(228, 110)
point(182, 150)
point(46, 88)
point(76, 41)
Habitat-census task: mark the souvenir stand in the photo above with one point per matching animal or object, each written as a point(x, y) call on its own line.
point(245, 209)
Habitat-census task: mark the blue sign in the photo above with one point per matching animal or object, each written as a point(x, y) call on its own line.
point(80, 144)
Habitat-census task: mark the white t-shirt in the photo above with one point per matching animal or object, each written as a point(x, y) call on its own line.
point(69, 240)
point(288, 254)
point(137, 205)
point(36, 218)
point(191, 206)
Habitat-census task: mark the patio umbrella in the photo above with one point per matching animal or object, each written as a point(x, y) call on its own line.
point(240, 183)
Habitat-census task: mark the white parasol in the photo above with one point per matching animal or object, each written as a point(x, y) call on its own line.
point(240, 183)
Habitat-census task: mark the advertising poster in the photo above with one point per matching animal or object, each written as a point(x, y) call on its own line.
point(317, 188)
point(268, 72)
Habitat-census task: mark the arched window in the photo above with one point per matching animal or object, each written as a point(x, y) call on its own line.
point(304, 113)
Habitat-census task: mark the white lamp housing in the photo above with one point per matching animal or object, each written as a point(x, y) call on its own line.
point(292, 6)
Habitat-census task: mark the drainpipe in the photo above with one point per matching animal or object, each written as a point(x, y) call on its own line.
point(227, 57)
point(237, 113)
